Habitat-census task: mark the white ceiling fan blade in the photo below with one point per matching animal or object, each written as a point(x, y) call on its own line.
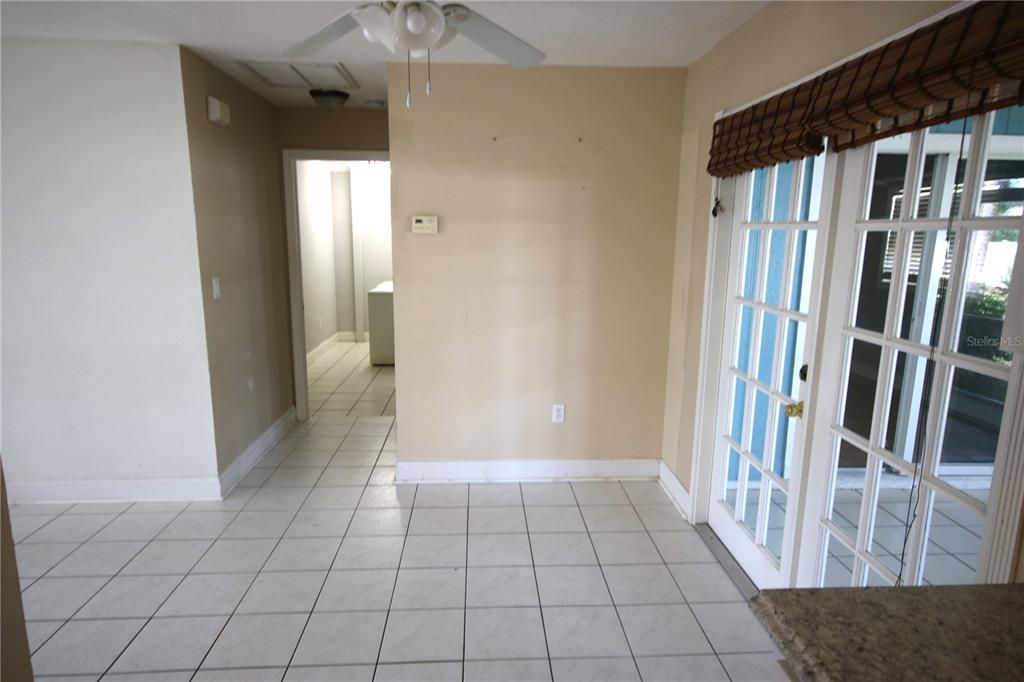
point(492, 37)
point(324, 37)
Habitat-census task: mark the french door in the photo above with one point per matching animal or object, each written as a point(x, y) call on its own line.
point(900, 469)
point(770, 308)
point(907, 448)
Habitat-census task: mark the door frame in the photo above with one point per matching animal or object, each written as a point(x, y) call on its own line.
point(296, 305)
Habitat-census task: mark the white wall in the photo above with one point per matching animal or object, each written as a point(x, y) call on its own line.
point(341, 198)
point(316, 235)
point(106, 382)
point(371, 216)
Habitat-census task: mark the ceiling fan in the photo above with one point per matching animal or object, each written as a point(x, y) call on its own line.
point(416, 28)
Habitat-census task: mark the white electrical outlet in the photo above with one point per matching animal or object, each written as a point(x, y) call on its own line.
point(216, 288)
point(557, 414)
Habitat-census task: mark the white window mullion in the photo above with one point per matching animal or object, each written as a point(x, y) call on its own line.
point(912, 179)
point(976, 151)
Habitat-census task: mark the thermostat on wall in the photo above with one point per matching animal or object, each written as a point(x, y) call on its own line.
point(424, 224)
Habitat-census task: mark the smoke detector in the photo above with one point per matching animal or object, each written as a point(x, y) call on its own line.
point(331, 100)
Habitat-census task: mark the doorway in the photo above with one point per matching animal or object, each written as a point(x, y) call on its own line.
point(338, 207)
point(892, 464)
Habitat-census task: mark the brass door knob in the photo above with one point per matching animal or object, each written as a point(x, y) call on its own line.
point(794, 409)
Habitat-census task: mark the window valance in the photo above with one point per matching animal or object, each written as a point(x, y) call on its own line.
point(964, 64)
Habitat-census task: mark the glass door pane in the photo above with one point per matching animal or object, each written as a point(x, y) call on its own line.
point(773, 267)
point(917, 427)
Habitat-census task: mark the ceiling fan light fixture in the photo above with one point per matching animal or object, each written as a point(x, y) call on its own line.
point(410, 15)
point(376, 24)
point(415, 21)
point(418, 27)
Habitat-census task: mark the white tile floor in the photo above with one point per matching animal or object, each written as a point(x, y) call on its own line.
point(319, 568)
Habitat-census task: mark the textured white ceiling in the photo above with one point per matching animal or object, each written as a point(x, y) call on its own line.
point(228, 33)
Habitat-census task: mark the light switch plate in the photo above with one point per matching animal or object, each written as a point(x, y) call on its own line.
point(424, 224)
point(218, 112)
point(216, 288)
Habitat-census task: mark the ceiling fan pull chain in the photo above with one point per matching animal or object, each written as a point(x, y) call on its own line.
point(408, 79)
point(428, 72)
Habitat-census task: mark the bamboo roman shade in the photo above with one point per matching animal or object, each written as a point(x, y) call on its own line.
point(963, 64)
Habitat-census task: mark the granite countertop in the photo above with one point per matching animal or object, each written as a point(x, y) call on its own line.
point(973, 632)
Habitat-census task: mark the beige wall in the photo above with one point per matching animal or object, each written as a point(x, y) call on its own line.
point(348, 129)
point(550, 279)
point(236, 177)
point(784, 43)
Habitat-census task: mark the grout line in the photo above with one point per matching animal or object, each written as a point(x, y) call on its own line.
point(108, 580)
point(422, 662)
point(600, 567)
point(536, 581)
point(521, 607)
point(334, 364)
point(327, 575)
point(344, 570)
point(672, 575)
point(251, 583)
point(176, 586)
point(465, 587)
point(376, 373)
point(394, 587)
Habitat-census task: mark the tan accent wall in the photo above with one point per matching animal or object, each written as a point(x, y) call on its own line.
point(238, 189)
point(782, 44)
point(15, 660)
point(550, 279)
point(348, 129)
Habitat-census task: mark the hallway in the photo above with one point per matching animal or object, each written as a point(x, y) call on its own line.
point(343, 381)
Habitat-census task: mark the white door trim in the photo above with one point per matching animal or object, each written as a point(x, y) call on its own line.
point(289, 157)
point(716, 285)
point(358, 281)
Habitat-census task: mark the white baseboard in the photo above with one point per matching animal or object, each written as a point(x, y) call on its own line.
point(130, 490)
point(523, 470)
point(679, 495)
point(153, 489)
point(314, 355)
point(252, 454)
